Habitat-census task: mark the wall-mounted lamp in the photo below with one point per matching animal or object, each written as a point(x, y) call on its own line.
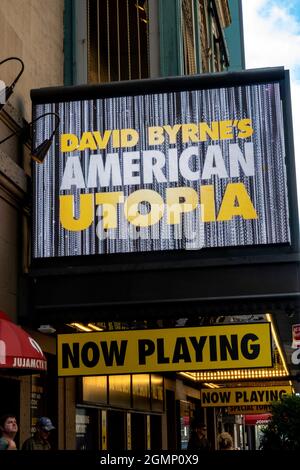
point(39, 153)
point(7, 91)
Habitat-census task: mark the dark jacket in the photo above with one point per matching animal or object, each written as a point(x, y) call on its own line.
point(36, 443)
point(197, 444)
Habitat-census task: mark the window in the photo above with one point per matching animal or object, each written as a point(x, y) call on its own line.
point(117, 40)
point(188, 35)
point(204, 38)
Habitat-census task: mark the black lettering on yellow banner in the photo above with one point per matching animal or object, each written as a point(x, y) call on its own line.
point(239, 397)
point(248, 409)
point(174, 349)
point(90, 353)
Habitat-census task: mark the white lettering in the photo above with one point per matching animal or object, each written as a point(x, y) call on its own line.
point(237, 160)
point(109, 170)
point(107, 173)
point(73, 175)
point(184, 164)
point(214, 163)
point(131, 170)
point(153, 161)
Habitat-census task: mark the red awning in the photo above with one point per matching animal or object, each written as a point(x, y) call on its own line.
point(258, 419)
point(17, 349)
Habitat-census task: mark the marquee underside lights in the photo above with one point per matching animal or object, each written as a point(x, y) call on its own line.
point(232, 375)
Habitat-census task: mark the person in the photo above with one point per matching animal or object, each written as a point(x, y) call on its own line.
point(39, 441)
point(8, 430)
point(198, 438)
point(225, 441)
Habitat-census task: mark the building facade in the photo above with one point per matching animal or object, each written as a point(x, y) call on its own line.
point(37, 39)
point(94, 42)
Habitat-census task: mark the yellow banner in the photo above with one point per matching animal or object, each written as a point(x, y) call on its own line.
point(165, 350)
point(243, 396)
point(248, 409)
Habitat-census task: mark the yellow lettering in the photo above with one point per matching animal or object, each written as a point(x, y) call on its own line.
point(207, 201)
point(131, 208)
point(245, 128)
point(155, 135)
point(129, 137)
point(236, 201)
point(212, 132)
point(67, 219)
point(172, 132)
point(226, 130)
point(116, 138)
point(109, 203)
point(68, 142)
point(175, 206)
point(190, 133)
point(102, 141)
point(87, 141)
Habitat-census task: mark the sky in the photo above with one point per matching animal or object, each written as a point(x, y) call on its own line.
point(272, 38)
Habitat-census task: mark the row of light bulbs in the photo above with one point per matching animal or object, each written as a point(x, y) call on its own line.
point(235, 374)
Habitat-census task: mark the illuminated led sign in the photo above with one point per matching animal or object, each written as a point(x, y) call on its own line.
point(185, 169)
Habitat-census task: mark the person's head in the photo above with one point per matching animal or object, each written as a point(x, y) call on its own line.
point(225, 441)
point(8, 425)
point(43, 427)
point(200, 428)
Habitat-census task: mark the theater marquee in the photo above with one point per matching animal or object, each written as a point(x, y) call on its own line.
point(155, 171)
point(165, 350)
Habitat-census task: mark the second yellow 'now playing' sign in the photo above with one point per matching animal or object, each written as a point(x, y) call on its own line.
point(244, 396)
point(165, 350)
